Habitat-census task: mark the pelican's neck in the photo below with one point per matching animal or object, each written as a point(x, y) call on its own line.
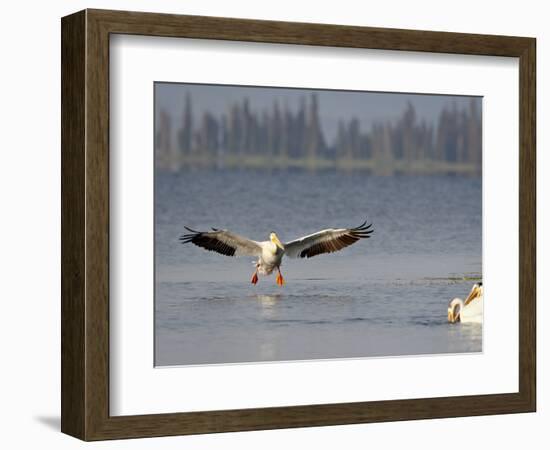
point(457, 303)
point(455, 308)
point(273, 247)
point(277, 244)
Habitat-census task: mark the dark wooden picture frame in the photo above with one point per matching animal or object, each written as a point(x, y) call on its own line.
point(85, 224)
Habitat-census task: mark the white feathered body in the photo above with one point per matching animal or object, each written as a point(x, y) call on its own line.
point(473, 311)
point(270, 258)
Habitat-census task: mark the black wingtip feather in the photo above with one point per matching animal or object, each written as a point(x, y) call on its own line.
point(208, 242)
point(363, 226)
point(363, 231)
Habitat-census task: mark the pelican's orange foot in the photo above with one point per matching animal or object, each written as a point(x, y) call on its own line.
point(254, 278)
point(280, 280)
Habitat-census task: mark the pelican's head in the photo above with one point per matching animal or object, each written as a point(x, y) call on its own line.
point(454, 309)
point(477, 291)
point(273, 238)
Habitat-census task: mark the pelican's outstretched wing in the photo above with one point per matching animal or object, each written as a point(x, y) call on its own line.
point(326, 241)
point(222, 241)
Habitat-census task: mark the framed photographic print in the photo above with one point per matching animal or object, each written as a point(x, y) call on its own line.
point(268, 224)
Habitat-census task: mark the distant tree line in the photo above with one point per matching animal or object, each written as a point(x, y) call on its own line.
point(281, 138)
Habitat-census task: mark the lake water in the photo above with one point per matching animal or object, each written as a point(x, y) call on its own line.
point(384, 296)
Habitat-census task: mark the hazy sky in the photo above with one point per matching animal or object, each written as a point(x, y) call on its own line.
point(334, 105)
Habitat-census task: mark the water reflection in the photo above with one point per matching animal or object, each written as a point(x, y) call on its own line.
point(268, 304)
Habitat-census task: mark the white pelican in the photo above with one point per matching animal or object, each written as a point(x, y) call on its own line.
point(270, 253)
point(469, 310)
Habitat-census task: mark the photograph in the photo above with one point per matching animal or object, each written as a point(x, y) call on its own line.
point(297, 224)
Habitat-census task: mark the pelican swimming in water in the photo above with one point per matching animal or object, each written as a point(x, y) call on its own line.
point(270, 253)
point(469, 310)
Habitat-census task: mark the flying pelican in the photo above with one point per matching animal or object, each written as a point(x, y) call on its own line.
point(469, 310)
point(270, 253)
